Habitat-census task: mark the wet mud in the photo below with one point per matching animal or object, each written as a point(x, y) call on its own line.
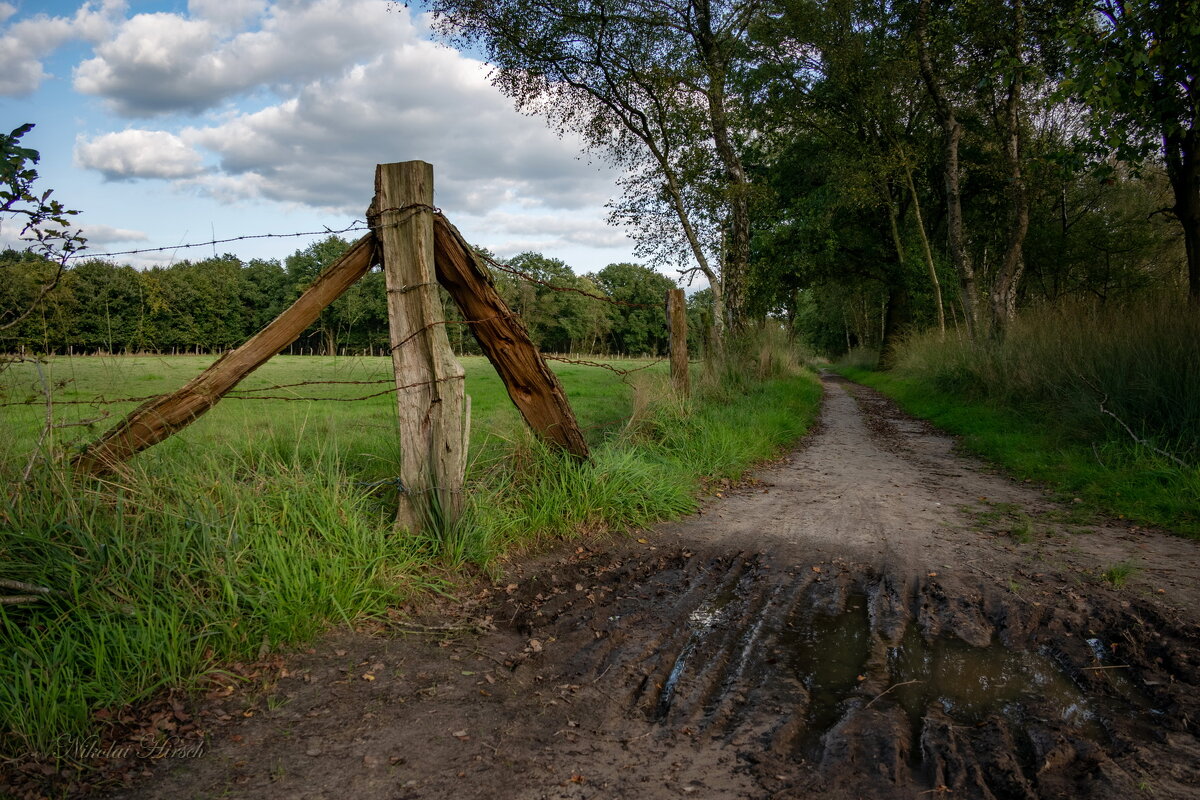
point(838, 680)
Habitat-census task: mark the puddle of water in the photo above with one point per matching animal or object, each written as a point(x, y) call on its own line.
point(971, 683)
point(829, 653)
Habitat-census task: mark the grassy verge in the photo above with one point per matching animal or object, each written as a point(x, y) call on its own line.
point(1109, 475)
point(267, 521)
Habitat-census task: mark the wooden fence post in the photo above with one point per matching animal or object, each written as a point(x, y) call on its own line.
point(434, 411)
point(677, 324)
point(533, 388)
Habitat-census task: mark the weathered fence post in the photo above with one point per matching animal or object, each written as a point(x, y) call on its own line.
point(533, 388)
point(677, 324)
point(434, 411)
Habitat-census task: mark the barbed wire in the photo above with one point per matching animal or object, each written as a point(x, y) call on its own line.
point(421, 330)
point(576, 290)
point(609, 367)
point(355, 226)
point(367, 225)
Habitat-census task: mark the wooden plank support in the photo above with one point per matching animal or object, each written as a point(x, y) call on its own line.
point(533, 387)
point(677, 325)
point(431, 398)
point(156, 419)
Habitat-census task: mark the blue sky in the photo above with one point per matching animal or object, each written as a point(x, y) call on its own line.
point(175, 122)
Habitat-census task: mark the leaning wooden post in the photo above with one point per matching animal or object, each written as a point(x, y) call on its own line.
point(533, 388)
point(159, 418)
point(431, 398)
point(677, 324)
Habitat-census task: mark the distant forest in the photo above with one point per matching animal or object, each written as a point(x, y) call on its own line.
point(214, 304)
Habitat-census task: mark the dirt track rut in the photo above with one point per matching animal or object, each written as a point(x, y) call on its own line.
point(876, 617)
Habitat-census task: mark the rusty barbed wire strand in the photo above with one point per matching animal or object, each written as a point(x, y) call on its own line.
point(356, 225)
point(531, 279)
point(432, 325)
point(367, 225)
point(307, 383)
point(608, 367)
point(389, 390)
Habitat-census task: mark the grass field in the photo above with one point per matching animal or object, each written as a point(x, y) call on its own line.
point(266, 521)
point(359, 430)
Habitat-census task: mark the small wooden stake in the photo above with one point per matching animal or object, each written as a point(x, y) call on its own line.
point(433, 413)
point(534, 389)
point(156, 419)
point(677, 324)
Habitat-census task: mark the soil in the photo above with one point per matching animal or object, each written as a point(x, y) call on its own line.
point(875, 616)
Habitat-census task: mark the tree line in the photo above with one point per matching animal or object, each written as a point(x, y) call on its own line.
point(865, 167)
point(216, 303)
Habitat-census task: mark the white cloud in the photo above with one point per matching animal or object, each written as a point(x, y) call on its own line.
point(101, 235)
point(159, 63)
point(229, 14)
point(417, 101)
point(549, 231)
point(133, 153)
point(505, 176)
point(24, 43)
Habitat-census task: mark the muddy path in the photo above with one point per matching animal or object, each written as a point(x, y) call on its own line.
point(874, 617)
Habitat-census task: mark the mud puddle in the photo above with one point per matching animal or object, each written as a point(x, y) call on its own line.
point(840, 677)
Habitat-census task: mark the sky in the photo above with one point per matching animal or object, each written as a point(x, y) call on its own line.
point(182, 121)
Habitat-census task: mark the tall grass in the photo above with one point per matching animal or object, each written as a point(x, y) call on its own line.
point(1092, 366)
point(213, 547)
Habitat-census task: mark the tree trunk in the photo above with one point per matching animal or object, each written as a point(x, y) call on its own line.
point(1183, 169)
point(1012, 265)
point(897, 307)
point(933, 276)
point(960, 257)
point(736, 264)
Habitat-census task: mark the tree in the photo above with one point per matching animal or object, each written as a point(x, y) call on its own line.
point(1136, 64)
point(638, 328)
point(43, 220)
point(303, 267)
point(648, 83)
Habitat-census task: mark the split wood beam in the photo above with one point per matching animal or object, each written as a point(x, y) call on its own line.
point(532, 386)
point(156, 419)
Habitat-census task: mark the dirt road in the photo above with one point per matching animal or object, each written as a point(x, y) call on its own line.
point(876, 617)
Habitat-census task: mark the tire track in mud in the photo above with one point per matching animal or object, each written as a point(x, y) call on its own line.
point(845, 628)
point(849, 682)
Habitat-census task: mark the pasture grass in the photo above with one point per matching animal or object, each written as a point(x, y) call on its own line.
point(267, 521)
